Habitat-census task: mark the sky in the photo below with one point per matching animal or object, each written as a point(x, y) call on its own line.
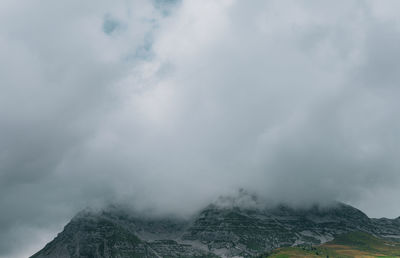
point(166, 105)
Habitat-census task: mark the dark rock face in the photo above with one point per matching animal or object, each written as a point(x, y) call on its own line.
point(215, 232)
point(387, 228)
point(95, 236)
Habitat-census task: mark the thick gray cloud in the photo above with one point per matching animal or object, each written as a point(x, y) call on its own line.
point(166, 105)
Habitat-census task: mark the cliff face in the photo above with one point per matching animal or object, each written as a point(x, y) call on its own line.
point(215, 232)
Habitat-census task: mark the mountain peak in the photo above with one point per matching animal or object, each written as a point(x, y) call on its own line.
point(232, 226)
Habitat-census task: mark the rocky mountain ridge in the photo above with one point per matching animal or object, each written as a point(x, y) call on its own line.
point(216, 231)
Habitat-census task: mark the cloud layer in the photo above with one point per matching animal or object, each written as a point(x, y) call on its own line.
point(166, 105)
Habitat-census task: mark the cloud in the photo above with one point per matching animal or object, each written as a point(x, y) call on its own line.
point(166, 105)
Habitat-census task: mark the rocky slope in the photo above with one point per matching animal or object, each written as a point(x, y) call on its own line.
point(217, 231)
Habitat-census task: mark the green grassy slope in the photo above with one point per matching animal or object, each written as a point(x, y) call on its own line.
point(354, 244)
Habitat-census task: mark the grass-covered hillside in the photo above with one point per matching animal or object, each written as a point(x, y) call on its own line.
point(354, 244)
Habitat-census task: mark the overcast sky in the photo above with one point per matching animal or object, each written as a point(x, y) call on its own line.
point(166, 105)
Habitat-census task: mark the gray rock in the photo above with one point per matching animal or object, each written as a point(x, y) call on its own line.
point(217, 231)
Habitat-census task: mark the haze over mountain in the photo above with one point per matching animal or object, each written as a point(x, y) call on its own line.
point(233, 226)
point(165, 105)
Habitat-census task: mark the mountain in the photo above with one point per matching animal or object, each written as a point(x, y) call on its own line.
point(219, 230)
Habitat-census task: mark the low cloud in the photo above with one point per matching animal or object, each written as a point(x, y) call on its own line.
point(167, 105)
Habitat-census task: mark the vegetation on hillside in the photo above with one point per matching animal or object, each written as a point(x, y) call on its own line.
point(353, 244)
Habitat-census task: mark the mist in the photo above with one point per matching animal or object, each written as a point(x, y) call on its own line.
point(167, 105)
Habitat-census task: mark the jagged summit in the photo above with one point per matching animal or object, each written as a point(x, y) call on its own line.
point(228, 227)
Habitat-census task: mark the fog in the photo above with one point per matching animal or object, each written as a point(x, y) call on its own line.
point(167, 105)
